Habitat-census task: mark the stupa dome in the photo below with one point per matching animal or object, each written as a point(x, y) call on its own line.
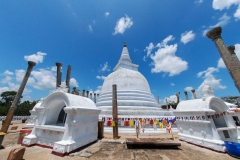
point(132, 87)
point(126, 79)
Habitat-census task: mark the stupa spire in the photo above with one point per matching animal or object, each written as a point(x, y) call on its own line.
point(125, 60)
point(125, 55)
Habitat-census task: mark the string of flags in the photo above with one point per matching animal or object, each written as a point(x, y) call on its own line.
point(109, 121)
point(205, 117)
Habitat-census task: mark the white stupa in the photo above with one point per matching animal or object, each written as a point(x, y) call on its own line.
point(134, 96)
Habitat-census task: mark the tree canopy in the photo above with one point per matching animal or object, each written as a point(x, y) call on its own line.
point(8, 96)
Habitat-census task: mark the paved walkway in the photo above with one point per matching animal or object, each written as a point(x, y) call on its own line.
point(109, 149)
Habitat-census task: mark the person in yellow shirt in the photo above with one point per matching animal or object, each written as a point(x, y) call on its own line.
point(160, 125)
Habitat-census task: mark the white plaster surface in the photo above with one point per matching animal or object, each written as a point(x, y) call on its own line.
point(207, 132)
point(79, 128)
point(134, 97)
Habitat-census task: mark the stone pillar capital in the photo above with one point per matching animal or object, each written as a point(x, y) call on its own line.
point(31, 64)
point(214, 33)
point(231, 49)
point(58, 64)
point(193, 90)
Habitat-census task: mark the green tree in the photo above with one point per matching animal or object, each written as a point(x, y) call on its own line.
point(8, 96)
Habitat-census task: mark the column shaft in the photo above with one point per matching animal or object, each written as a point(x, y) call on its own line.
point(10, 113)
point(115, 111)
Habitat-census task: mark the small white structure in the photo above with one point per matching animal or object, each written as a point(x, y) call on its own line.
point(64, 122)
point(207, 122)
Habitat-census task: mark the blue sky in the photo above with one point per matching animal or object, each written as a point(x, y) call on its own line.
point(165, 38)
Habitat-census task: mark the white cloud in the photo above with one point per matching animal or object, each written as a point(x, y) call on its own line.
point(172, 98)
point(73, 82)
point(99, 88)
point(37, 58)
point(6, 79)
point(8, 83)
point(237, 50)
point(107, 14)
point(209, 79)
point(90, 28)
point(187, 37)
point(188, 89)
point(226, 4)
point(237, 13)
point(54, 68)
point(42, 79)
point(149, 49)
point(224, 20)
point(221, 63)
point(172, 84)
point(7, 72)
point(198, 1)
point(222, 4)
point(122, 24)
point(105, 67)
point(165, 60)
point(26, 98)
point(101, 77)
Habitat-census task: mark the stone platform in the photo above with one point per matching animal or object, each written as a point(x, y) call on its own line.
point(152, 143)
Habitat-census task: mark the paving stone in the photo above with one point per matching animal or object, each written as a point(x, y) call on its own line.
point(85, 154)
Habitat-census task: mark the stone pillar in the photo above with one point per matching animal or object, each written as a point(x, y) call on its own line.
point(178, 93)
point(58, 80)
point(186, 95)
point(91, 96)
point(11, 110)
point(94, 97)
point(236, 63)
point(166, 103)
point(158, 100)
point(87, 94)
point(233, 69)
point(68, 77)
point(83, 92)
point(115, 111)
point(194, 94)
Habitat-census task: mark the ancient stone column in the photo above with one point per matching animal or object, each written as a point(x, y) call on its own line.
point(234, 56)
point(87, 94)
point(166, 103)
point(158, 100)
point(115, 111)
point(58, 80)
point(178, 93)
point(91, 96)
point(94, 97)
point(194, 94)
point(83, 93)
point(11, 110)
point(68, 77)
point(233, 69)
point(186, 95)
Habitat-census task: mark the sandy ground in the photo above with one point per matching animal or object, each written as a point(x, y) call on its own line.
point(105, 150)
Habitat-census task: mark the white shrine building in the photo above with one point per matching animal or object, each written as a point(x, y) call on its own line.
point(208, 121)
point(134, 97)
point(64, 122)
